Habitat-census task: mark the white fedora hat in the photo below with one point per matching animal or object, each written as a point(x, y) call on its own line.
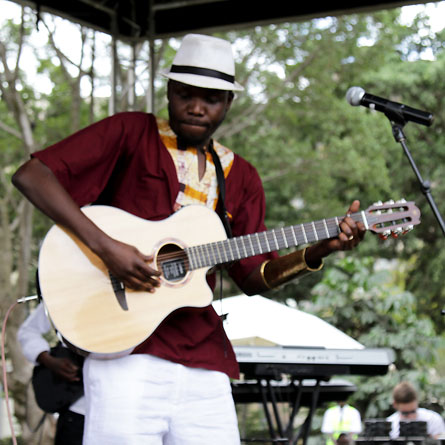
point(206, 62)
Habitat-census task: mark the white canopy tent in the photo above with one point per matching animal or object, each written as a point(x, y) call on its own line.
point(259, 321)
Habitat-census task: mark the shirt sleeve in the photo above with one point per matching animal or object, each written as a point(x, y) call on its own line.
point(246, 204)
point(85, 161)
point(436, 425)
point(30, 334)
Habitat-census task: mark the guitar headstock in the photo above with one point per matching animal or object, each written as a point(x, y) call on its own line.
point(392, 218)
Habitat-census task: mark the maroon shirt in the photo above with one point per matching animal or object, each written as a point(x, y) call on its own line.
point(121, 161)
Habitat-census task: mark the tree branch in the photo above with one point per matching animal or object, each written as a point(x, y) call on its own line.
point(10, 130)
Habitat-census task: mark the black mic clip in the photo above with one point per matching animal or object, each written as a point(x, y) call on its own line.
point(394, 113)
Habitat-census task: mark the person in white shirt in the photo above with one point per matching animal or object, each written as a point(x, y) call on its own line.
point(36, 349)
point(407, 409)
point(341, 418)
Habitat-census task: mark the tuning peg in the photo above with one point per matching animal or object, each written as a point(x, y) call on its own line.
point(378, 203)
point(384, 235)
point(401, 201)
point(395, 233)
point(408, 229)
point(390, 202)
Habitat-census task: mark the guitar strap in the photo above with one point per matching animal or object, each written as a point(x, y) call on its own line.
point(225, 220)
point(222, 189)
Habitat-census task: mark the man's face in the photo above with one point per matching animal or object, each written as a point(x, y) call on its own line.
point(408, 411)
point(195, 113)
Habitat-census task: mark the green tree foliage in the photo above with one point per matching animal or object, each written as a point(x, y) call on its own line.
point(316, 153)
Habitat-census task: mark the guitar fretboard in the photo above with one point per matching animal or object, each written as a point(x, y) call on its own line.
point(234, 249)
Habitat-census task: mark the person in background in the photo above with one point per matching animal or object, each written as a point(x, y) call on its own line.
point(405, 403)
point(36, 349)
point(341, 422)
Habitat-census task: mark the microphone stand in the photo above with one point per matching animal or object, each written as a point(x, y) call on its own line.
point(397, 123)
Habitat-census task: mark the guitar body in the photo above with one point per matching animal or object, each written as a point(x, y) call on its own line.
point(78, 293)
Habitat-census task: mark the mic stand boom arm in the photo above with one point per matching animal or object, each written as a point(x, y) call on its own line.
point(398, 122)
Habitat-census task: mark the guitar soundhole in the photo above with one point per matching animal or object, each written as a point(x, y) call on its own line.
point(172, 261)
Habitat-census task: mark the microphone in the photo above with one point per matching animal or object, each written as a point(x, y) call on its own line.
point(393, 110)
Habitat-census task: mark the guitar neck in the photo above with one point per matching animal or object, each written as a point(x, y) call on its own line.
point(234, 249)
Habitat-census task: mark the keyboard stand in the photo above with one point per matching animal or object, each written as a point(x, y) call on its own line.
point(270, 394)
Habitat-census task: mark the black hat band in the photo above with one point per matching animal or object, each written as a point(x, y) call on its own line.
point(183, 69)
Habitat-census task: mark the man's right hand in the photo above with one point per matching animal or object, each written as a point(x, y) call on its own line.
point(129, 265)
point(38, 183)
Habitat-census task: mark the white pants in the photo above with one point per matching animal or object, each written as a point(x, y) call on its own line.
point(144, 400)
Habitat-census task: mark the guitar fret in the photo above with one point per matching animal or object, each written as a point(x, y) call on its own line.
point(207, 255)
point(260, 247)
point(191, 258)
point(267, 242)
point(304, 233)
point(251, 245)
point(215, 249)
point(196, 253)
point(338, 225)
point(230, 256)
point(275, 239)
point(364, 220)
point(293, 234)
point(244, 246)
point(315, 231)
point(237, 251)
point(284, 238)
point(204, 259)
point(213, 257)
point(219, 256)
point(207, 260)
point(326, 229)
point(212, 252)
point(200, 257)
point(223, 243)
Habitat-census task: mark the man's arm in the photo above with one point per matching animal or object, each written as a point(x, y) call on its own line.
point(287, 267)
point(38, 183)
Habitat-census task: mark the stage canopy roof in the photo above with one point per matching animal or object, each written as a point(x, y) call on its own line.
point(146, 19)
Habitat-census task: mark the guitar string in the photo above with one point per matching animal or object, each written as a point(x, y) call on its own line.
point(275, 236)
point(280, 238)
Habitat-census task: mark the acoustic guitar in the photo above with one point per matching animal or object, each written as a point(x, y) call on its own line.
point(95, 313)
